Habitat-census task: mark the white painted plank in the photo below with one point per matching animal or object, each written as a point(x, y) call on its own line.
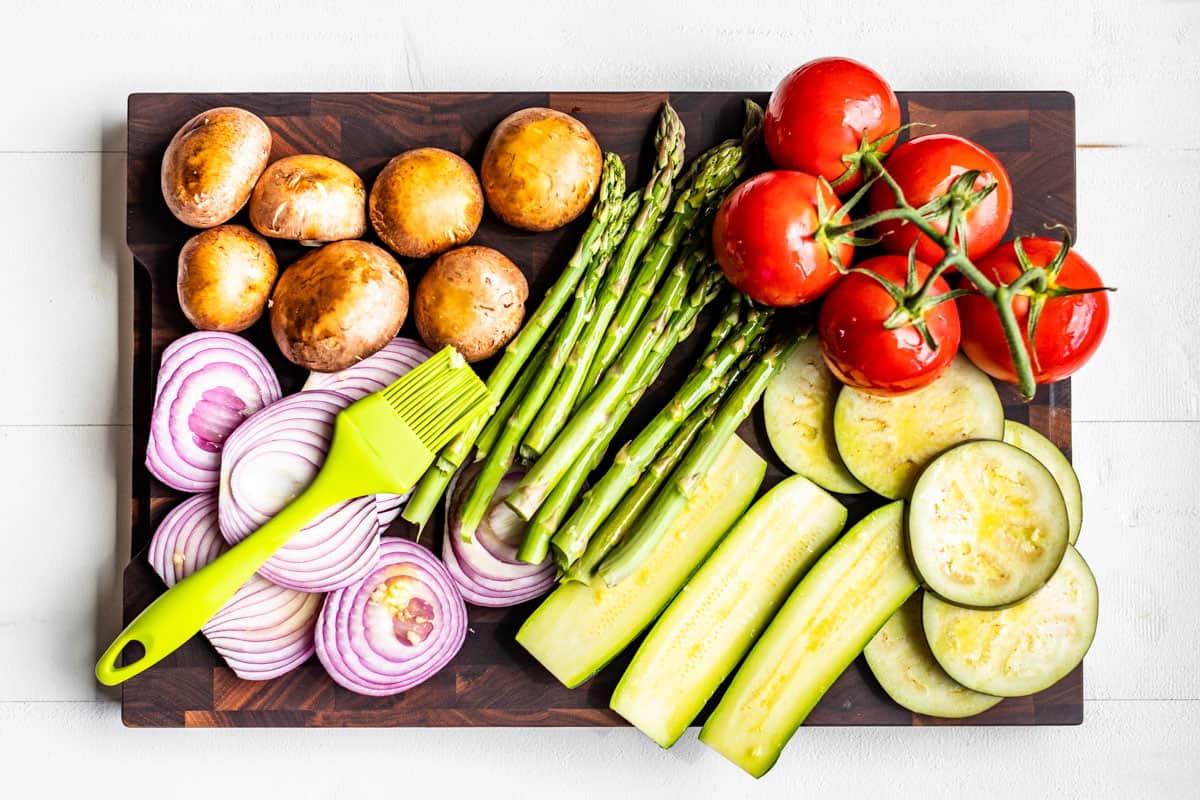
point(1123, 750)
point(1137, 226)
point(1127, 61)
point(68, 290)
point(64, 494)
point(1140, 522)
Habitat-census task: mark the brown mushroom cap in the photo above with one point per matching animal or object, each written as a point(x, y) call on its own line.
point(225, 277)
point(472, 298)
point(426, 201)
point(211, 165)
point(310, 198)
point(338, 305)
point(540, 169)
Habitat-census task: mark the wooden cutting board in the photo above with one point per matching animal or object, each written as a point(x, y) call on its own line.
point(492, 681)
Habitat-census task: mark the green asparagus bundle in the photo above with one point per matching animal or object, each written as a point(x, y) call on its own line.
point(715, 173)
point(633, 458)
point(537, 379)
point(592, 417)
point(609, 203)
point(687, 475)
point(655, 199)
point(550, 514)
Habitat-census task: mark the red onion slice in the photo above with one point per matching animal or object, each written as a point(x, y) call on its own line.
point(388, 507)
point(267, 462)
point(208, 383)
point(486, 568)
point(374, 373)
point(264, 630)
point(395, 628)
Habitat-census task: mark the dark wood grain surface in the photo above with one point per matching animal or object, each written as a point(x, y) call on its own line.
point(492, 681)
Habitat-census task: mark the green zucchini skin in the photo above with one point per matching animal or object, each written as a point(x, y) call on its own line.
point(579, 628)
point(901, 661)
point(826, 622)
point(1019, 649)
point(715, 619)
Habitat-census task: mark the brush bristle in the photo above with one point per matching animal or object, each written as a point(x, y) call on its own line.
point(439, 398)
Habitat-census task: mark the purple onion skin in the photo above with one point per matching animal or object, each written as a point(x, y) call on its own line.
point(395, 629)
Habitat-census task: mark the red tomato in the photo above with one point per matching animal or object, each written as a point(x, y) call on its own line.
point(1068, 331)
point(863, 353)
point(763, 238)
point(822, 111)
point(925, 167)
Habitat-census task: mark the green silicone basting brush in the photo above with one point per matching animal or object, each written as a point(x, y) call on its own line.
point(381, 444)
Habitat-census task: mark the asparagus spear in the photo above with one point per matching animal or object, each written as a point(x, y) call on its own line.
point(491, 431)
point(655, 199)
point(631, 460)
point(636, 499)
point(610, 196)
point(529, 400)
point(730, 317)
point(550, 515)
point(596, 410)
point(716, 171)
point(673, 497)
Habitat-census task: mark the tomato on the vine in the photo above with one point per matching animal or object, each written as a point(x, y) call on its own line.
point(862, 352)
point(821, 112)
point(1069, 327)
point(925, 168)
point(767, 238)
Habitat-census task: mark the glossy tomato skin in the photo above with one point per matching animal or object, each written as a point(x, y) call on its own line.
point(862, 353)
point(820, 112)
point(763, 239)
point(1068, 331)
point(925, 167)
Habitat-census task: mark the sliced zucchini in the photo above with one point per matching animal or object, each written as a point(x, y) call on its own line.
point(887, 441)
point(900, 659)
point(1021, 649)
point(798, 411)
point(579, 628)
point(987, 524)
point(835, 610)
point(1052, 458)
point(713, 621)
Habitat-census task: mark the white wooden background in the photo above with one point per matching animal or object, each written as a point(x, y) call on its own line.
point(65, 70)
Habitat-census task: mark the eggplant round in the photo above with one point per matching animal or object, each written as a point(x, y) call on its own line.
point(225, 278)
point(212, 164)
point(338, 305)
point(540, 169)
point(472, 298)
point(426, 201)
point(311, 199)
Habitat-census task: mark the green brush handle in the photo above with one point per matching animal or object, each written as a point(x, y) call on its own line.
point(179, 613)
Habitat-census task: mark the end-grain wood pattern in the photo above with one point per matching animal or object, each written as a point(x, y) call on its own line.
point(492, 681)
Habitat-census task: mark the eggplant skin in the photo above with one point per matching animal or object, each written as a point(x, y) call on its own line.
point(338, 305)
point(212, 164)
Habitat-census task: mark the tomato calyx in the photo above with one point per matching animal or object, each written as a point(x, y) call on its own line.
point(870, 151)
point(830, 234)
point(913, 299)
point(1040, 284)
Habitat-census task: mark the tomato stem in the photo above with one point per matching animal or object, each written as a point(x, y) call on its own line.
point(961, 196)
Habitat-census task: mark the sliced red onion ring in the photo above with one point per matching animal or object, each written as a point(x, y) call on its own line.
point(374, 373)
point(264, 630)
point(267, 462)
point(395, 628)
point(486, 569)
point(208, 383)
point(388, 506)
